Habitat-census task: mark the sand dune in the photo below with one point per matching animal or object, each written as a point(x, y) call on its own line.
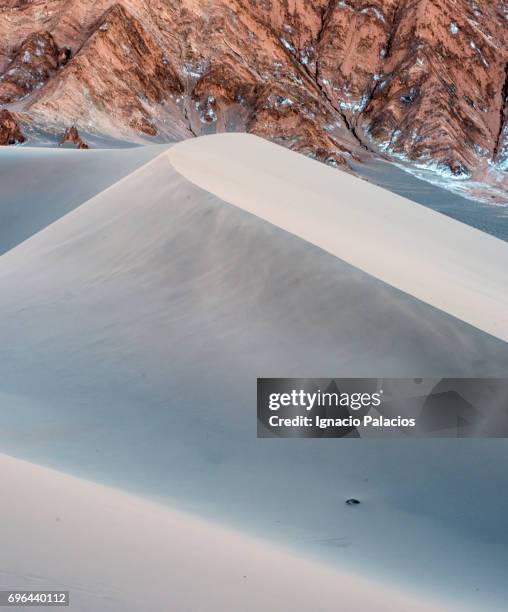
point(133, 329)
point(118, 553)
point(447, 264)
point(39, 185)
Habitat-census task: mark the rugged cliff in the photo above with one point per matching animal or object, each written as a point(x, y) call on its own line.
point(420, 81)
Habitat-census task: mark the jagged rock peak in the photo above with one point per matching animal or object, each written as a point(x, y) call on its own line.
point(10, 133)
point(33, 63)
point(119, 81)
point(72, 137)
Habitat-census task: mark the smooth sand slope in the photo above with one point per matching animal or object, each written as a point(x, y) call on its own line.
point(118, 553)
point(39, 185)
point(444, 263)
point(132, 332)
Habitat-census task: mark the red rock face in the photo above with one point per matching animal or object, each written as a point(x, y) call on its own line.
point(173, 69)
point(501, 148)
point(10, 134)
point(35, 61)
point(439, 98)
point(418, 80)
point(351, 52)
point(118, 79)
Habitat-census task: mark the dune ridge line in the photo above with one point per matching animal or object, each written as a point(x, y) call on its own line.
point(443, 262)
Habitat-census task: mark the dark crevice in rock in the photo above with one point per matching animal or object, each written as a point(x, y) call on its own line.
point(351, 128)
point(189, 122)
point(326, 16)
point(325, 19)
point(396, 21)
point(503, 115)
point(397, 18)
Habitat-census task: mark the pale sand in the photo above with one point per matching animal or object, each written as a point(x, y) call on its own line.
point(115, 552)
point(133, 329)
point(449, 265)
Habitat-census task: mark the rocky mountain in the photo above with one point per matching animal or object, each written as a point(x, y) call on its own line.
point(422, 82)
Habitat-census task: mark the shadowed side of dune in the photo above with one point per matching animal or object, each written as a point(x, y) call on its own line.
point(135, 555)
point(38, 186)
point(445, 263)
point(133, 330)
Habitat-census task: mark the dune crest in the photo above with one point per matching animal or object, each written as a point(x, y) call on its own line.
point(438, 260)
